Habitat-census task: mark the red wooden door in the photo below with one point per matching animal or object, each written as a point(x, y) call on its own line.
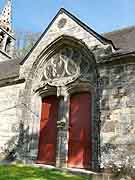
point(79, 147)
point(48, 131)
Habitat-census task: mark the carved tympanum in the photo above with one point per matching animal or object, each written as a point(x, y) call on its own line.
point(66, 66)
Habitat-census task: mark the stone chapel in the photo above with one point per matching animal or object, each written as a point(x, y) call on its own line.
point(71, 101)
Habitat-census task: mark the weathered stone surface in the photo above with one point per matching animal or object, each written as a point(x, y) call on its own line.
point(120, 113)
point(10, 108)
point(109, 126)
point(112, 86)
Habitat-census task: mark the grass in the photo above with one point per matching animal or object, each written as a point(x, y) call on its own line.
point(21, 172)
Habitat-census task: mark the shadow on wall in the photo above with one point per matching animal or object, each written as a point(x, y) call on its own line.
point(15, 144)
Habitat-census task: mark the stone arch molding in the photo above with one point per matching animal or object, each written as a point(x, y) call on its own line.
point(62, 62)
point(65, 66)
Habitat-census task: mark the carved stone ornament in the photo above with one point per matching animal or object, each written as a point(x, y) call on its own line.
point(65, 67)
point(62, 23)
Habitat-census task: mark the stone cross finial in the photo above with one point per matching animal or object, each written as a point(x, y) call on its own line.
point(5, 17)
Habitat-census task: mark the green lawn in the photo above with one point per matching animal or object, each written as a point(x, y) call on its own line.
point(20, 172)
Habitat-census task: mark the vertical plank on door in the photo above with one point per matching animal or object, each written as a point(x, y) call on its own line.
point(80, 144)
point(48, 131)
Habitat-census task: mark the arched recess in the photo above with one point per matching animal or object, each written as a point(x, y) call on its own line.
point(64, 67)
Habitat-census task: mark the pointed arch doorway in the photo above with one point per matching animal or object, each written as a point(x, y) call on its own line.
point(70, 64)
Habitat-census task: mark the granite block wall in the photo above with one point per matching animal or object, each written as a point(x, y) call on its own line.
point(10, 110)
point(117, 107)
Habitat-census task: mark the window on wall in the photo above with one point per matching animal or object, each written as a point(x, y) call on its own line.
point(1, 39)
point(8, 44)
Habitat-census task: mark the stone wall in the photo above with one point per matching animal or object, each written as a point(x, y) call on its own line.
point(117, 107)
point(9, 117)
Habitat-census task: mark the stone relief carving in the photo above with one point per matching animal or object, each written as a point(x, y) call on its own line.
point(62, 22)
point(66, 66)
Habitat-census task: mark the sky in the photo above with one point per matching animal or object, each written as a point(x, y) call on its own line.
point(100, 15)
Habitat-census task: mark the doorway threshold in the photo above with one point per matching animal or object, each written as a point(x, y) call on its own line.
point(68, 170)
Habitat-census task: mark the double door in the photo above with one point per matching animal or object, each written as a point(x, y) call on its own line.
point(79, 139)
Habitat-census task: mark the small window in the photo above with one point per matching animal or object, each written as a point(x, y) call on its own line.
point(1, 38)
point(7, 47)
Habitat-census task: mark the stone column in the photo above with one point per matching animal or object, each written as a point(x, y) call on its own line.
point(62, 137)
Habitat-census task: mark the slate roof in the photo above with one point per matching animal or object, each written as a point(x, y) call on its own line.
point(123, 39)
point(9, 69)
